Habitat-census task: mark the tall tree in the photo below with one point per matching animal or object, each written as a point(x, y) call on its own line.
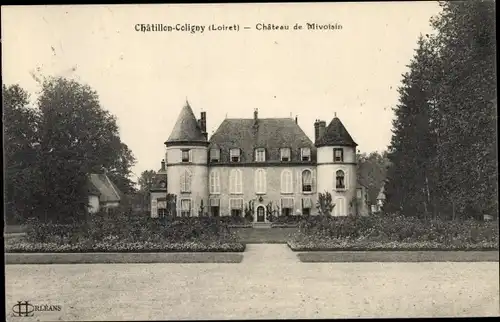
point(78, 137)
point(20, 151)
point(467, 150)
point(410, 183)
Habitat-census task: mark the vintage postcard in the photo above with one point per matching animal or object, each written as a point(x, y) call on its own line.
point(250, 161)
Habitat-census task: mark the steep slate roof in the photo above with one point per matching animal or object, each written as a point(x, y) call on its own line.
point(103, 187)
point(335, 134)
point(186, 129)
point(270, 133)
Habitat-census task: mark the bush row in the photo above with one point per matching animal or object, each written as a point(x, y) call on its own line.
point(397, 229)
point(114, 228)
point(117, 247)
point(366, 245)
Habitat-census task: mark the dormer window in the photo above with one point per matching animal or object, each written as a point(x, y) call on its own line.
point(305, 154)
point(214, 155)
point(186, 155)
point(234, 155)
point(285, 154)
point(260, 155)
point(338, 155)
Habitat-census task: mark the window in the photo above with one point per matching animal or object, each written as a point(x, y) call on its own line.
point(162, 212)
point(214, 182)
point(234, 155)
point(236, 207)
point(359, 193)
point(285, 154)
point(305, 154)
point(286, 181)
point(186, 155)
point(306, 181)
point(260, 155)
point(186, 181)
point(306, 206)
point(338, 155)
point(286, 206)
point(185, 207)
point(235, 181)
point(339, 209)
point(339, 179)
point(215, 207)
point(260, 181)
point(214, 155)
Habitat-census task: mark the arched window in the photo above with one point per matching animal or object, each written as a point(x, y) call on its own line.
point(339, 179)
point(260, 181)
point(286, 181)
point(186, 181)
point(306, 181)
point(214, 182)
point(235, 181)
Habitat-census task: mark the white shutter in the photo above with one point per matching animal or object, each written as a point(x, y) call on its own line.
point(289, 182)
point(239, 179)
point(154, 209)
point(188, 182)
point(346, 179)
point(264, 182)
point(313, 180)
point(183, 182)
point(212, 182)
point(299, 181)
point(283, 179)
point(231, 181)
point(217, 183)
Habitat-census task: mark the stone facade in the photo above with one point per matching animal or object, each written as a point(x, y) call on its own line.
point(271, 168)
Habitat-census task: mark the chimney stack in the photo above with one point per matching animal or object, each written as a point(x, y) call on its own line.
point(322, 128)
point(163, 165)
point(316, 130)
point(203, 124)
point(296, 119)
point(255, 115)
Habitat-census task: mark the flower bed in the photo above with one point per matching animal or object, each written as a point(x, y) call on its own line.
point(392, 233)
point(104, 233)
point(122, 247)
point(357, 245)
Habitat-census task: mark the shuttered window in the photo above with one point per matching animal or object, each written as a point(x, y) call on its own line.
point(214, 155)
point(285, 154)
point(260, 181)
point(214, 182)
point(305, 154)
point(286, 181)
point(185, 181)
point(235, 181)
point(260, 155)
point(185, 207)
point(235, 155)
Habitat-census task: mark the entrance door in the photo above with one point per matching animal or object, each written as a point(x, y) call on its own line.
point(261, 214)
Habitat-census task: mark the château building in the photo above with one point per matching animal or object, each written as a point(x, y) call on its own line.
point(262, 162)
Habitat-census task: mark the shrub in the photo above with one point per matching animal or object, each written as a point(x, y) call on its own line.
point(105, 226)
point(397, 229)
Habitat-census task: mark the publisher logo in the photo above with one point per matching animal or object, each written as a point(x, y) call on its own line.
point(26, 309)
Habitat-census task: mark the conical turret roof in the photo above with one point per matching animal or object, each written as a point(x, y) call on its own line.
point(335, 134)
point(186, 129)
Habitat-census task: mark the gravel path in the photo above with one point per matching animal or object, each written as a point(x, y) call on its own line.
point(269, 283)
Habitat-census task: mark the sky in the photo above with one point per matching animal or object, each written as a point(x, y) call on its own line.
point(144, 78)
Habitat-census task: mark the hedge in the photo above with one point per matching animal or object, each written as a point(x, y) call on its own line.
point(119, 232)
point(391, 232)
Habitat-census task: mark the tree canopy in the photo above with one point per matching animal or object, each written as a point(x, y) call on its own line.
point(443, 149)
point(52, 147)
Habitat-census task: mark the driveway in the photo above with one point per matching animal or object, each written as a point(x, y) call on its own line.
point(269, 283)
